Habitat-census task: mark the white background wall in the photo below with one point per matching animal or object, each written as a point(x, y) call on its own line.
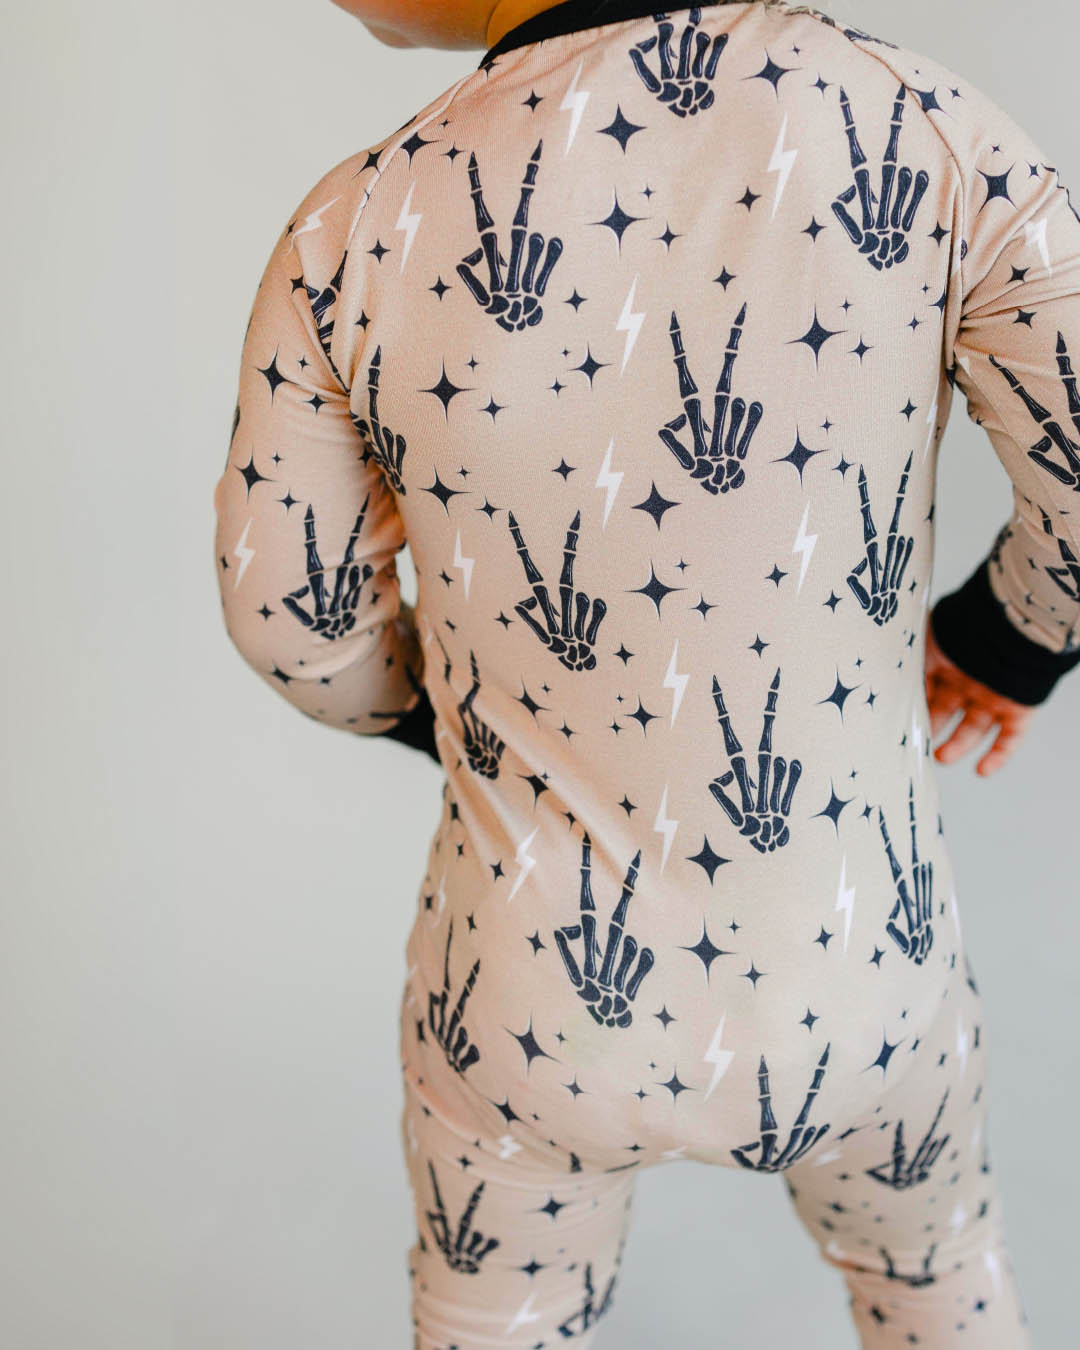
point(205, 896)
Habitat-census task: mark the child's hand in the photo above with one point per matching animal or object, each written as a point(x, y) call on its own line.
point(949, 690)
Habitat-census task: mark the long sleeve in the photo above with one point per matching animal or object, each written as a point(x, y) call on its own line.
point(307, 523)
point(1015, 622)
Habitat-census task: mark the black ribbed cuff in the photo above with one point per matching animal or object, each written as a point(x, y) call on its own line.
point(972, 629)
point(417, 728)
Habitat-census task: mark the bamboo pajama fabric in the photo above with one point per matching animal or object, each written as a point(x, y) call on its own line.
point(643, 336)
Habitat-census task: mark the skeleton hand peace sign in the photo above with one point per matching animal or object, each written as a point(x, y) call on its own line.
point(567, 637)
point(335, 619)
point(718, 464)
point(917, 936)
point(512, 301)
point(1069, 472)
point(387, 450)
point(482, 747)
point(606, 990)
point(685, 91)
point(465, 1250)
point(762, 821)
point(803, 1135)
point(451, 1034)
point(881, 600)
point(882, 238)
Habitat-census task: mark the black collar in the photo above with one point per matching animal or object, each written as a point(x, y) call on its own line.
point(570, 17)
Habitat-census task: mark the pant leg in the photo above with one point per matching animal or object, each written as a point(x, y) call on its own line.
point(509, 1252)
point(906, 1205)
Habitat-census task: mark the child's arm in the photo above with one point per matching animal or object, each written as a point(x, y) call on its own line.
point(1014, 625)
point(307, 525)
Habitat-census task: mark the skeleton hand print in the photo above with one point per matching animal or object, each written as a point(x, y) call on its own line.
point(882, 238)
point(920, 1279)
point(917, 936)
point(452, 1035)
point(607, 991)
point(482, 747)
point(718, 464)
point(514, 301)
point(322, 307)
point(1067, 577)
point(882, 598)
point(761, 820)
point(902, 1172)
point(592, 1309)
point(387, 450)
point(335, 619)
point(685, 91)
point(569, 638)
point(1069, 472)
point(465, 1251)
point(803, 1136)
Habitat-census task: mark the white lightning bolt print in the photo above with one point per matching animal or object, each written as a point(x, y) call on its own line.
point(1035, 233)
point(917, 740)
point(993, 1265)
point(675, 682)
point(524, 861)
point(674, 1152)
point(409, 222)
point(665, 827)
point(829, 1157)
point(962, 1043)
point(313, 222)
point(956, 917)
point(608, 480)
point(524, 1314)
point(931, 420)
point(804, 544)
point(719, 1058)
point(441, 894)
point(244, 553)
point(508, 1145)
point(630, 322)
point(845, 901)
point(573, 100)
point(959, 1218)
point(781, 161)
point(466, 564)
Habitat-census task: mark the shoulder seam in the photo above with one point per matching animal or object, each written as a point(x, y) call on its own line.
point(876, 56)
point(408, 129)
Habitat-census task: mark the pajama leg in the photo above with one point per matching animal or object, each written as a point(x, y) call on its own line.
point(907, 1207)
point(510, 1252)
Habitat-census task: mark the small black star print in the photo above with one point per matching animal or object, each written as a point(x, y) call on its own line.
point(674, 1086)
point(655, 505)
point(707, 860)
point(704, 950)
point(655, 589)
point(620, 129)
point(884, 1055)
point(617, 221)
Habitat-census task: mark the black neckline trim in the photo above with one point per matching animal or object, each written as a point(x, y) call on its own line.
point(574, 15)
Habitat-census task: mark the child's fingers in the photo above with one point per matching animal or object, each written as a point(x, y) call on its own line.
point(943, 702)
point(972, 727)
point(1003, 745)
